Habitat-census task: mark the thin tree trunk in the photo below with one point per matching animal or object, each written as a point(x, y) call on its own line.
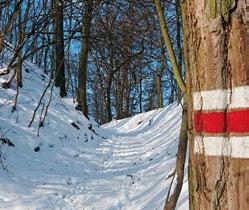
point(108, 97)
point(9, 24)
point(59, 49)
point(1, 40)
point(183, 140)
point(179, 42)
point(140, 91)
point(159, 76)
point(21, 29)
point(171, 201)
point(169, 47)
point(82, 76)
point(159, 91)
point(178, 34)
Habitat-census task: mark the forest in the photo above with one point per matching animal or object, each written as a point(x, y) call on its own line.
point(108, 55)
point(124, 104)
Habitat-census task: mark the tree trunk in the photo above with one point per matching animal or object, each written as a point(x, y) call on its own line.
point(159, 91)
point(171, 201)
point(172, 198)
point(169, 46)
point(178, 34)
point(59, 49)
point(217, 40)
point(1, 41)
point(82, 97)
point(179, 43)
point(140, 90)
point(159, 75)
point(108, 97)
point(9, 24)
point(21, 29)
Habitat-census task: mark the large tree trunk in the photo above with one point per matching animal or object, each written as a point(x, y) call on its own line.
point(59, 49)
point(217, 40)
point(82, 97)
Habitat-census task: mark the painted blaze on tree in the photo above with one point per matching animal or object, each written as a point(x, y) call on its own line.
point(218, 54)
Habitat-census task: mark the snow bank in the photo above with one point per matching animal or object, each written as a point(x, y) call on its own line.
point(72, 165)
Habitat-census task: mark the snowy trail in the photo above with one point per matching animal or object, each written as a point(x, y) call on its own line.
point(125, 171)
point(120, 166)
point(134, 168)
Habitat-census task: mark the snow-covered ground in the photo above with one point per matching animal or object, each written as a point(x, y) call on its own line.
point(74, 164)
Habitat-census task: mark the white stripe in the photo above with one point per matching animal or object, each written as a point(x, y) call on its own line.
point(237, 147)
point(237, 97)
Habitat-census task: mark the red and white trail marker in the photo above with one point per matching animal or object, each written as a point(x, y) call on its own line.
point(221, 122)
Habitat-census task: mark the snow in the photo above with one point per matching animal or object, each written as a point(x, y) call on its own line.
point(121, 165)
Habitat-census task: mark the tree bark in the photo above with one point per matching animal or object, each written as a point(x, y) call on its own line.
point(59, 49)
point(82, 76)
point(217, 40)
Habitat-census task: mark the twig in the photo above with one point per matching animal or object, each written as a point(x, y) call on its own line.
point(16, 97)
point(40, 120)
point(46, 110)
point(1, 160)
point(39, 103)
point(171, 183)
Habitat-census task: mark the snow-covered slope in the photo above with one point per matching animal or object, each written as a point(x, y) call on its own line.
point(145, 146)
point(73, 163)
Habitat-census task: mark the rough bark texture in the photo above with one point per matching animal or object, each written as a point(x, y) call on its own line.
point(217, 51)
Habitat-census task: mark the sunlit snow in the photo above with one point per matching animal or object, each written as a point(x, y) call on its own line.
point(121, 165)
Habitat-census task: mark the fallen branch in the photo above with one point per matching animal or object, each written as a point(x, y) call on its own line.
point(39, 103)
point(40, 120)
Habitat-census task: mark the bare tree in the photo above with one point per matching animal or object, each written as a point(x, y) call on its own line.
point(59, 48)
point(85, 45)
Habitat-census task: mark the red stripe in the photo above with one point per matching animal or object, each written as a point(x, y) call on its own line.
point(212, 122)
point(238, 121)
point(220, 122)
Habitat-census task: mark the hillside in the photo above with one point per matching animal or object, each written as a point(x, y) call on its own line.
point(74, 164)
